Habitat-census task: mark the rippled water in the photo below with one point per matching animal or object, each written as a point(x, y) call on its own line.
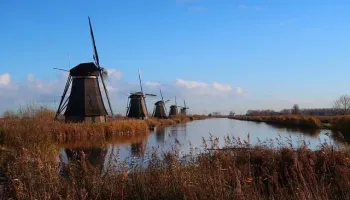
point(192, 134)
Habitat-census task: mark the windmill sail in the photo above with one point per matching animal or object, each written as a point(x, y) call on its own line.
point(102, 71)
point(95, 56)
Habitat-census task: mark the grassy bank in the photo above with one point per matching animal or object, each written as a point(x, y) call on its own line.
point(285, 120)
point(154, 122)
point(37, 124)
point(334, 123)
point(258, 173)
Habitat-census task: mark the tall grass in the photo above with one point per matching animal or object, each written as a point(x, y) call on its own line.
point(34, 124)
point(335, 123)
point(177, 119)
point(286, 120)
point(242, 173)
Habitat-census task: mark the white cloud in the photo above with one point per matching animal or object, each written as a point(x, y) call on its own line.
point(5, 79)
point(152, 84)
point(199, 96)
point(191, 84)
point(222, 87)
point(205, 88)
point(30, 77)
point(239, 90)
point(114, 74)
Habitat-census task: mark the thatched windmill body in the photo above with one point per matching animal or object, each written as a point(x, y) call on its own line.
point(85, 101)
point(160, 109)
point(137, 107)
point(183, 109)
point(173, 109)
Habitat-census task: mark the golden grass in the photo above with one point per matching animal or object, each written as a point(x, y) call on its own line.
point(286, 120)
point(257, 173)
point(31, 167)
point(335, 123)
point(154, 122)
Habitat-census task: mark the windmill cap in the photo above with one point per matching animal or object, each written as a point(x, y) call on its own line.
point(159, 102)
point(85, 69)
point(136, 94)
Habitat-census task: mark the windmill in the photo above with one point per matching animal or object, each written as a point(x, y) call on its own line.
point(159, 108)
point(137, 104)
point(183, 109)
point(173, 109)
point(85, 101)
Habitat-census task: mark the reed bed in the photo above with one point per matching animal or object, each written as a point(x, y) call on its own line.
point(178, 119)
point(15, 131)
point(335, 123)
point(286, 120)
point(239, 172)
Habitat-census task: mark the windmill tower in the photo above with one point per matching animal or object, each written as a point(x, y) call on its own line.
point(183, 109)
point(85, 101)
point(137, 104)
point(160, 109)
point(173, 109)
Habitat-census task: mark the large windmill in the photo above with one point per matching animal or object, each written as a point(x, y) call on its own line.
point(183, 108)
point(137, 107)
point(85, 101)
point(159, 108)
point(173, 109)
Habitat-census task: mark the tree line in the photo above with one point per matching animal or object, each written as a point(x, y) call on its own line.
point(341, 106)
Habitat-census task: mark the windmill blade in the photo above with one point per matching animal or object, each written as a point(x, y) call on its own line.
point(161, 94)
point(104, 87)
point(140, 81)
point(97, 61)
point(104, 73)
point(61, 69)
point(167, 101)
point(153, 95)
point(185, 103)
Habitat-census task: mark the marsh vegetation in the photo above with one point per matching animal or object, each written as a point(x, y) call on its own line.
point(230, 169)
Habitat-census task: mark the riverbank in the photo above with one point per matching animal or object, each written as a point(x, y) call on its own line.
point(154, 122)
point(258, 173)
point(285, 120)
point(37, 123)
point(335, 123)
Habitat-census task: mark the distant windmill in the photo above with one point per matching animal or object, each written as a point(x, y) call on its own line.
point(160, 109)
point(173, 109)
point(183, 109)
point(137, 104)
point(85, 100)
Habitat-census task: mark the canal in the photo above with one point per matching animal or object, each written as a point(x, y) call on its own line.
point(192, 137)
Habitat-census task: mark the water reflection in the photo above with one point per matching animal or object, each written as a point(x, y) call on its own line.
point(292, 130)
point(94, 155)
point(186, 136)
point(160, 135)
point(138, 149)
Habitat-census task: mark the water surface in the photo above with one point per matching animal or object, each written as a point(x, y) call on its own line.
point(191, 135)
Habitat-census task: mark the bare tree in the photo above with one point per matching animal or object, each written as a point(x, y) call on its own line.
point(295, 109)
point(342, 104)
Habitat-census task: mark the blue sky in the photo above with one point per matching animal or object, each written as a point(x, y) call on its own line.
point(271, 53)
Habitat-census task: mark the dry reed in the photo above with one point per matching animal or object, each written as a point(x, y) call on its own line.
point(255, 173)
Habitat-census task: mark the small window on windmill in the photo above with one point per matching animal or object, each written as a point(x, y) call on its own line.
point(93, 118)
